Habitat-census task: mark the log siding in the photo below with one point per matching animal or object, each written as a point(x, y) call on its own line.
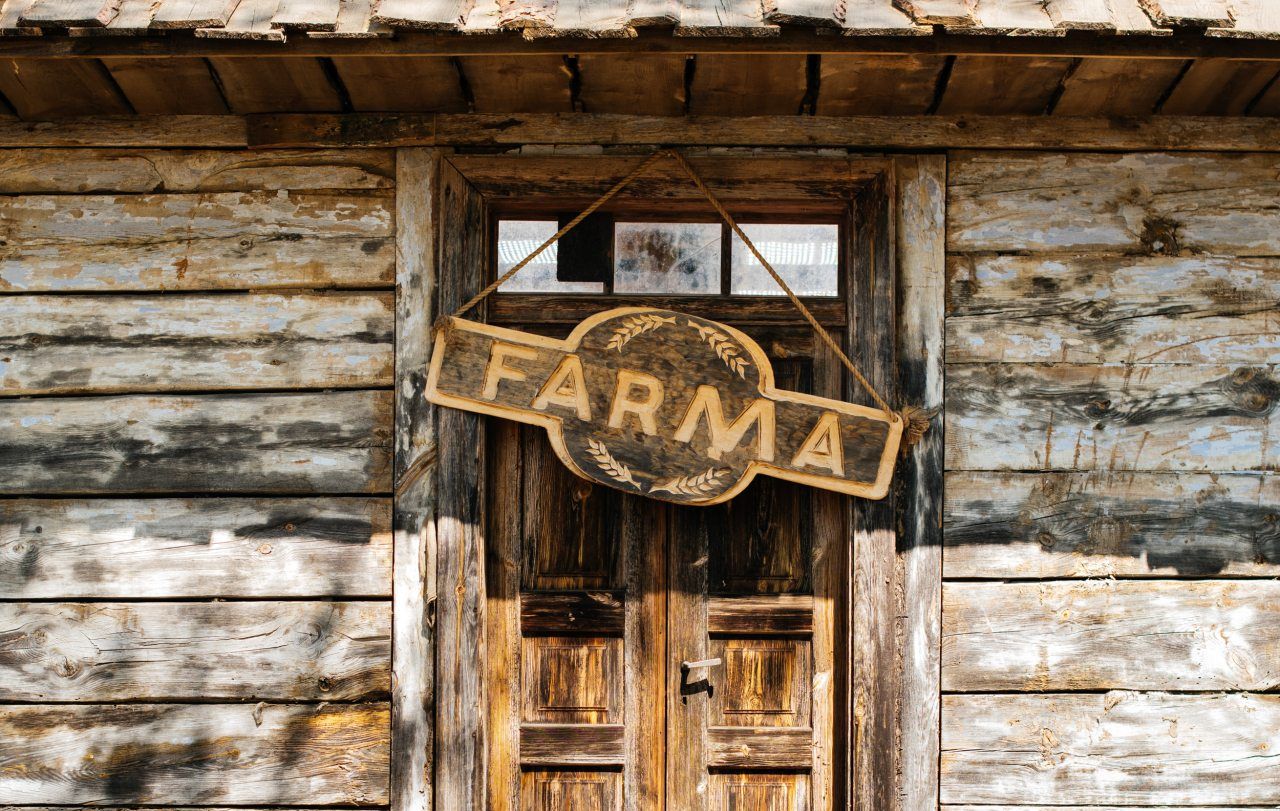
point(196, 354)
point(1111, 511)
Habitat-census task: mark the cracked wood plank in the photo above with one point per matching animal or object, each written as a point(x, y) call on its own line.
point(1113, 309)
point(1067, 417)
point(195, 241)
point(234, 754)
point(116, 344)
point(141, 171)
point(195, 651)
point(1106, 634)
point(195, 547)
point(1140, 203)
point(1153, 525)
point(1116, 747)
point(337, 442)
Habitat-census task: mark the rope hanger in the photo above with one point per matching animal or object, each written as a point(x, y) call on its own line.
point(916, 422)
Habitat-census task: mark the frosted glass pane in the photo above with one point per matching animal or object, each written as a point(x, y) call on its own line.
point(666, 257)
point(516, 240)
point(807, 256)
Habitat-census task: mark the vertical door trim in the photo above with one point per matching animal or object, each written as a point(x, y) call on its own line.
point(413, 559)
point(921, 249)
point(896, 325)
point(461, 748)
point(871, 342)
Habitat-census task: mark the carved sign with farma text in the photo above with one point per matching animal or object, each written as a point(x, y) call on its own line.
point(664, 405)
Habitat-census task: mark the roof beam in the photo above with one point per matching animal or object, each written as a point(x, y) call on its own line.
point(1165, 133)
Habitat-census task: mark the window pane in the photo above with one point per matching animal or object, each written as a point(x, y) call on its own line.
point(807, 256)
point(666, 257)
point(516, 240)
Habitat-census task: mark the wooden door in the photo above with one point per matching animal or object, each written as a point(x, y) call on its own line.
point(595, 599)
point(756, 584)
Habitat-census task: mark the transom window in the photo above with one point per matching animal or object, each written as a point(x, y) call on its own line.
point(651, 255)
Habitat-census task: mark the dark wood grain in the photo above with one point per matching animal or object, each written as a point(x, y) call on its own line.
point(571, 744)
point(101, 344)
point(1154, 525)
point(338, 442)
point(921, 225)
point(1005, 416)
point(598, 613)
point(780, 614)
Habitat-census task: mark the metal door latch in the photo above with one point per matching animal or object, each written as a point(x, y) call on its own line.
point(685, 667)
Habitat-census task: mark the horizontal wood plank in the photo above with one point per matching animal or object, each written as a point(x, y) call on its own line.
point(816, 179)
point(904, 132)
point(204, 131)
point(339, 442)
point(784, 614)
point(1047, 525)
point(1134, 203)
point(1112, 309)
point(1115, 748)
point(234, 754)
point(865, 132)
point(77, 220)
point(1025, 417)
point(195, 241)
point(558, 309)
point(205, 547)
point(760, 748)
point(1106, 634)
point(82, 171)
point(571, 745)
point(93, 344)
point(596, 613)
point(194, 651)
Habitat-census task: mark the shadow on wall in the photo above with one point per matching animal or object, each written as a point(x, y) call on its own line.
point(1099, 524)
point(248, 700)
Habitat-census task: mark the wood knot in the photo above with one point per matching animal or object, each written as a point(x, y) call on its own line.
point(1160, 236)
point(1096, 409)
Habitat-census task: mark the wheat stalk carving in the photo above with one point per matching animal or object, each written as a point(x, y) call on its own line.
point(724, 348)
point(636, 325)
point(702, 484)
point(611, 466)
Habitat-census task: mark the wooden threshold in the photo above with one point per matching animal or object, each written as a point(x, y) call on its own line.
point(1168, 133)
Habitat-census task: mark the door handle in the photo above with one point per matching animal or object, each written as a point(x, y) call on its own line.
point(685, 667)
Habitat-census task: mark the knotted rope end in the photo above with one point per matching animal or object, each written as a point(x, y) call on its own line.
point(915, 422)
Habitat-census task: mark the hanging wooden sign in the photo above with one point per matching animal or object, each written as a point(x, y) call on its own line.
point(663, 404)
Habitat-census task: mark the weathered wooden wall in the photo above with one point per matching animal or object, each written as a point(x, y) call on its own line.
point(1113, 505)
point(196, 440)
point(195, 514)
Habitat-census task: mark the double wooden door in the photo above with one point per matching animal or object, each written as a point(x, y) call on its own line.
point(643, 656)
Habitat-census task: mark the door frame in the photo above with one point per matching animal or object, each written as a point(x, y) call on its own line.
point(439, 573)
